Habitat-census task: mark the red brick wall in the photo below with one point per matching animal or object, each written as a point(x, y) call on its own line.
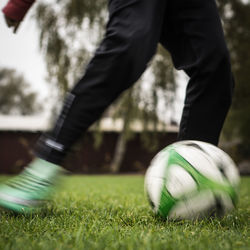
point(16, 152)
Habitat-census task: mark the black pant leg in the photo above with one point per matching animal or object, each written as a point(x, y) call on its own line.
point(133, 32)
point(194, 36)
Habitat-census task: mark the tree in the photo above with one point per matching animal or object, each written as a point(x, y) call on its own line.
point(138, 104)
point(62, 26)
point(236, 20)
point(15, 95)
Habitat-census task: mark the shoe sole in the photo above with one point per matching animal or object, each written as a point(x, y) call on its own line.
point(18, 205)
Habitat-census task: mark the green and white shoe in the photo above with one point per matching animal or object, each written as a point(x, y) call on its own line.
point(29, 191)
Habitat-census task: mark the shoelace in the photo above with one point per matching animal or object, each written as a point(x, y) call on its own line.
point(28, 182)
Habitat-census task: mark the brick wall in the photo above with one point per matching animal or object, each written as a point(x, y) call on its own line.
point(16, 152)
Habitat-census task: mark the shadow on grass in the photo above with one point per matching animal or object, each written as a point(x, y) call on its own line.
point(234, 220)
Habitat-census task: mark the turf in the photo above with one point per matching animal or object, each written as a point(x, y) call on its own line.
point(111, 212)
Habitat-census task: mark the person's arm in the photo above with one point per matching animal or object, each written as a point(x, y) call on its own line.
point(14, 12)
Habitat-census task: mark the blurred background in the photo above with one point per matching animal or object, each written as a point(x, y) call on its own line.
point(40, 63)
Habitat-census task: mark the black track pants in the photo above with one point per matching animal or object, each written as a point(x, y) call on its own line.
point(192, 33)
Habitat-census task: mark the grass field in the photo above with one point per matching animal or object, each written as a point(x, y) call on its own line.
point(111, 212)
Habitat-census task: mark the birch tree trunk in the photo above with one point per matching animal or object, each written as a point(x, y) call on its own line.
point(121, 145)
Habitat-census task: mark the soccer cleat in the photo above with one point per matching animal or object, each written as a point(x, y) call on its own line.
point(29, 191)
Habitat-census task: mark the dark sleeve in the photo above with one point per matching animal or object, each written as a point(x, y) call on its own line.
point(16, 9)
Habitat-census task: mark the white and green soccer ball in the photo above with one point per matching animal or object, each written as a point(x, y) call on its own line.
point(190, 180)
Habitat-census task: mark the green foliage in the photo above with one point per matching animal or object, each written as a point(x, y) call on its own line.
point(141, 103)
point(67, 30)
point(63, 28)
point(162, 92)
point(15, 94)
point(236, 19)
point(111, 212)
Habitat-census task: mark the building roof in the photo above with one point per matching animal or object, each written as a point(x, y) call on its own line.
point(42, 123)
point(23, 123)
point(115, 125)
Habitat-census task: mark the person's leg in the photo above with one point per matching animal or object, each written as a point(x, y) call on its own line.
point(133, 32)
point(132, 35)
point(194, 36)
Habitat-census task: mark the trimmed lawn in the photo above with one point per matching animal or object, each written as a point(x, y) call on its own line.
point(111, 212)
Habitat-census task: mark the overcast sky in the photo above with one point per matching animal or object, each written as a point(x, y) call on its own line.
point(20, 51)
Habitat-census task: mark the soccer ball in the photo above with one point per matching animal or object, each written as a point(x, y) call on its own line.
point(191, 180)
